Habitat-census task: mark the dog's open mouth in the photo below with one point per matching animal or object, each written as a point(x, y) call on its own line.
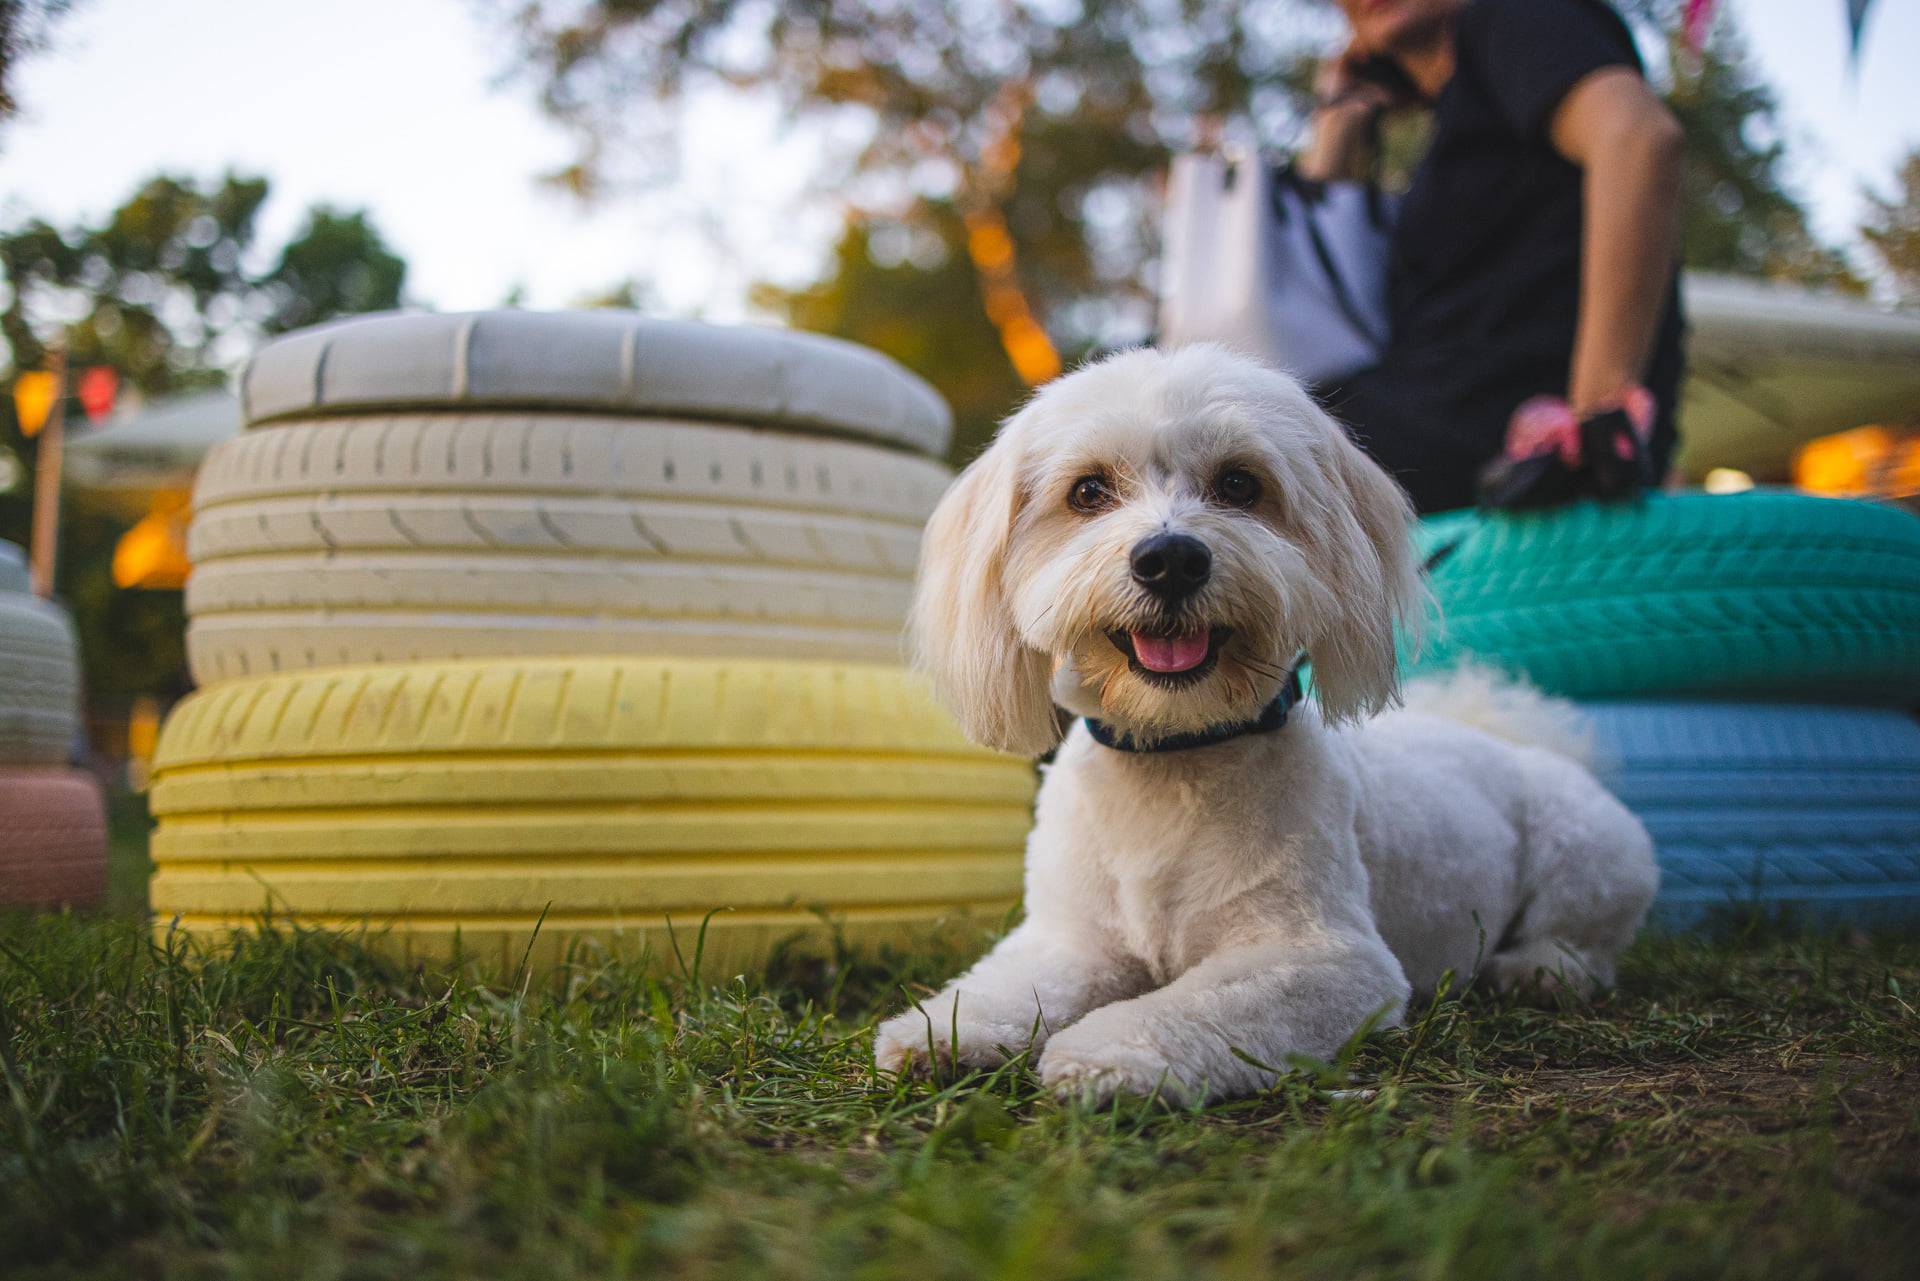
point(1172, 657)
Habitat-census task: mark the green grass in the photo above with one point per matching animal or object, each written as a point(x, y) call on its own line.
point(303, 1108)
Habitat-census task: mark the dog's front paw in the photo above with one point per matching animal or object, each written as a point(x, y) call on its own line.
point(1545, 968)
point(1097, 1072)
point(922, 1045)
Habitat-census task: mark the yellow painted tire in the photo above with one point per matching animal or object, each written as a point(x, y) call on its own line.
point(388, 538)
point(448, 806)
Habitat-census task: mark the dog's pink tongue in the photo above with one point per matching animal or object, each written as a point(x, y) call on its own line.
point(1170, 653)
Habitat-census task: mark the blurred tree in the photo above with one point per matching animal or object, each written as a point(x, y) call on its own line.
point(149, 291)
point(1892, 229)
point(1051, 121)
point(337, 266)
point(24, 28)
point(1019, 142)
point(164, 290)
point(626, 295)
point(900, 288)
point(1739, 216)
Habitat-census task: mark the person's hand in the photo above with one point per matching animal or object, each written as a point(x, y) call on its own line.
point(1342, 84)
point(1548, 424)
point(1350, 104)
point(1555, 454)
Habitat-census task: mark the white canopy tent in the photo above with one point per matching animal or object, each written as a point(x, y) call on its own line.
point(1771, 366)
point(149, 448)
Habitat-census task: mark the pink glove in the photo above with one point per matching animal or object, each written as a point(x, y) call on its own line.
point(1546, 424)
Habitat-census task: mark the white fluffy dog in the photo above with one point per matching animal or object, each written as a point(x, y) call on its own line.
point(1212, 884)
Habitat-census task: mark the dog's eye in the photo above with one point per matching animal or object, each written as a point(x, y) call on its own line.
point(1090, 494)
point(1237, 487)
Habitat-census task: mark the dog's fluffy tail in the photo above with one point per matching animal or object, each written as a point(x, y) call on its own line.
point(1505, 707)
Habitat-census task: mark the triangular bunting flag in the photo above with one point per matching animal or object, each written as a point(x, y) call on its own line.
point(33, 393)
point(96, 389)
point(1856, 24)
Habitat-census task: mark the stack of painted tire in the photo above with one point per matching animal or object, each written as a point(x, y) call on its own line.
point(53, 832)
point(581, 622)
point(1751, 666)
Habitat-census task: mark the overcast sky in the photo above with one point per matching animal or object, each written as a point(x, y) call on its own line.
point(399, 106)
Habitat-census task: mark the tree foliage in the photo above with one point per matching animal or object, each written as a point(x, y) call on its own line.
point(1092, 100)
point(1738, 214)
point(1892, 229)
point(24, 29)
point(899, 288)
point(170, 289)
point(167, 289)
point(1080, 103)
point(336, 266)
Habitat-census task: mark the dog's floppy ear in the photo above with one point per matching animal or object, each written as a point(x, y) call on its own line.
point(962, 626)
point(1368, 560)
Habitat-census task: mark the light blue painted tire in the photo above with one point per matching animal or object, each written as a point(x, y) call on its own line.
point(1811, 809)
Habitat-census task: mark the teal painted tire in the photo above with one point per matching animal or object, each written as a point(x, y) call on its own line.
point(1764, 594)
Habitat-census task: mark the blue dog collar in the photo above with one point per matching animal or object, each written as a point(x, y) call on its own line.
point(1271, 718)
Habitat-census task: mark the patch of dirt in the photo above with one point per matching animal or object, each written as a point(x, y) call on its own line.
point(1727, 1120)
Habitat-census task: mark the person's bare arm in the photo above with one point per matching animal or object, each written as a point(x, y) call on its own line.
point(1629, 146)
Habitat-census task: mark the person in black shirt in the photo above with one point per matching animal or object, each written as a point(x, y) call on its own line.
point(1535, 252)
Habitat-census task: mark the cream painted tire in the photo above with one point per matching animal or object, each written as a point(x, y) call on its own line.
point(53, 839)
point(449, 807)
point(607, 362)
point(39, 682)
point(384, 539)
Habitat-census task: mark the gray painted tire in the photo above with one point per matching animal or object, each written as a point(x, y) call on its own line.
point(13, 569)
point(598, 361)
point(39, 682)
point(407, 537)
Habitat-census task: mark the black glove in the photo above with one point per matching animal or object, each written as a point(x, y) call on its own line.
point(1613, 465)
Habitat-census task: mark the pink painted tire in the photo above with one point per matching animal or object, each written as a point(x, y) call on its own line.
point(53, 839)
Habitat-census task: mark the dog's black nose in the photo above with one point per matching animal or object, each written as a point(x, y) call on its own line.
point(1171, 566)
